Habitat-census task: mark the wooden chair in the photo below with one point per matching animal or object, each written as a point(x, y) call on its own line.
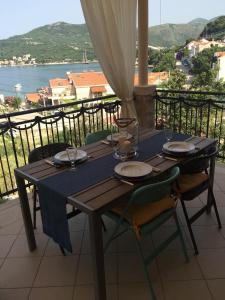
point(194, 180)
point(148, 208)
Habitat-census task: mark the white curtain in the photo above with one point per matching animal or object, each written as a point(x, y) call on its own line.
point(112, 28)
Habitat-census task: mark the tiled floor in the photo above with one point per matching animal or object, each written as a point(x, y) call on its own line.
point(45, 274)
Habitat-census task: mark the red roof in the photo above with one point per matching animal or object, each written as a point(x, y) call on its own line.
point(98, 89)
point(98, 78)
point(33, 97)
point(153, 77)
point(58, 82)
point(88, 78)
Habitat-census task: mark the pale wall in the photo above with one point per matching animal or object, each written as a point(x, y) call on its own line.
point(221, 74)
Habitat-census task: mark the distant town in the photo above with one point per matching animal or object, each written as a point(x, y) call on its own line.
point(93, 84)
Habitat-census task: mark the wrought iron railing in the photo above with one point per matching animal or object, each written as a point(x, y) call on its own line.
point(195, 113)
point(20, 132)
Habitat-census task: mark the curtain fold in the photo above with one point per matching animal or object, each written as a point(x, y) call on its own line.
point(112, 28)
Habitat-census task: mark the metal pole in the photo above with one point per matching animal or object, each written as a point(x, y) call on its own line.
point(143, 41)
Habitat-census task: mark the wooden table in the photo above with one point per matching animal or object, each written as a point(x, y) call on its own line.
point(94, 200)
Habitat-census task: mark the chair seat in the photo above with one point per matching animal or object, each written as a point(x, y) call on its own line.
point(139, 215)
point(188, 182)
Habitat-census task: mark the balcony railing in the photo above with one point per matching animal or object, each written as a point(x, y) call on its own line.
point(20, 132)
point(195, 113)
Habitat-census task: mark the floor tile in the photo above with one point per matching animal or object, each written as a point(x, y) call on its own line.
point(13, 228)
point(208, 237)
point(163, 233)
point(128, 262)
point(14, 294)
point(139, 291)
point(53, 249)
point(217, 288)
point(1, 262)
point(172, 266)
point(18, 272)
point(50, 293)
point(86, 292)
point(85, 275)
point(6, 242)
point(212, 263)
point(186, 290)
point(56, 271)
point(21, 249)
point(78, 222)
point(86, 249)
point(203, 220)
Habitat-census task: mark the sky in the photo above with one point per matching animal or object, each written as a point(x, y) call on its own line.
point(19, 17)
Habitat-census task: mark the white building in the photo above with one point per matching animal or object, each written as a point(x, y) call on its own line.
point(196, 47)
point(60, 89)
point(221, 64)
point(89, 85)
point(2, 99)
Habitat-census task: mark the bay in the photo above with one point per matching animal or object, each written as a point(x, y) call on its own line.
point(33, 77)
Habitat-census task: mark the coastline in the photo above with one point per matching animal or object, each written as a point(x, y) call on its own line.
point(51, 64)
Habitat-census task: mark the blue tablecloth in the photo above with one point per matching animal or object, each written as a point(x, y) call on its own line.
point(53, 191)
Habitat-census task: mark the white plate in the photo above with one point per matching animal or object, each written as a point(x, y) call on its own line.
point(62, 156)
point(179, 147)
point(116, 136)
point(133, 169)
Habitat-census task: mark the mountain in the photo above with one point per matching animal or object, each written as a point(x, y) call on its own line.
point(67, 42)
point(168, 35)
point(199, 21)
point(215, 29)
point(56, 42)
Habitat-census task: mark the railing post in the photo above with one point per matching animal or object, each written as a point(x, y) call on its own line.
point(13, 141)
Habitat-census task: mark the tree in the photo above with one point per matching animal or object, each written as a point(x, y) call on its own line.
point(166, 61)
point(208, 81)
point(203, 62)
point(17, 102)
point(176, 81)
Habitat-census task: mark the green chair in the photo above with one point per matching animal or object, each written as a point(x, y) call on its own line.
point(97, 136)
point(148, 208)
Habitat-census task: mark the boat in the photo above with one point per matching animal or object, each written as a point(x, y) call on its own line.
point(85, 60)
point(18, 87)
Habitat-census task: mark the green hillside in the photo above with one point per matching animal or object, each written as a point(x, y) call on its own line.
point(66, 42)
point(169, 35)
point(215, 29)
point(57, 42)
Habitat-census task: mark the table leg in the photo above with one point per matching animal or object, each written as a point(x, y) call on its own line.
point(211, 181)
point(26, 212)
point(95, 227)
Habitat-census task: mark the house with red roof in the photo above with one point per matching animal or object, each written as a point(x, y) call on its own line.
point(33, 98)
point(88, 85)
point(60, 89)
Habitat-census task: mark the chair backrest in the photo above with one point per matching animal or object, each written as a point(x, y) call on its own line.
point(97, 136)
point(199, 163)
point(155, 191)
point(46, 151)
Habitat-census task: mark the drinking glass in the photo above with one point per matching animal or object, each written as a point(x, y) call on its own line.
point(168, 133)
point(72, 155)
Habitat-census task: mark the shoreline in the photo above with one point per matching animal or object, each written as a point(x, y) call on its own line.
point(50, 64)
